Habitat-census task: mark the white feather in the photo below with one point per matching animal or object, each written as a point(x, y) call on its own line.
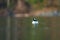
point(34, 22)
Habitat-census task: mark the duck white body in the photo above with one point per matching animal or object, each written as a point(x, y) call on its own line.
point(34, 22)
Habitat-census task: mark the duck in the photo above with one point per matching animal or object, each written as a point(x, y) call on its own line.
point(34, 21)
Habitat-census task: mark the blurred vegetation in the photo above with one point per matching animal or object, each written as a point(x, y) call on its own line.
point(37, 3)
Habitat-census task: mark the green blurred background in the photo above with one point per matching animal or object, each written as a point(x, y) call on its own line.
point(47, 29)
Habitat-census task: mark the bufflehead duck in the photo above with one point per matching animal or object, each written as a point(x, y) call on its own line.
point(35, 21)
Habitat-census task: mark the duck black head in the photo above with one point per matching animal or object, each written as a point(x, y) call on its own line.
point(34, 19)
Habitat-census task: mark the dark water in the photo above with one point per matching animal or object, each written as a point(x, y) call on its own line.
point(2, 28)
point(22, 28)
